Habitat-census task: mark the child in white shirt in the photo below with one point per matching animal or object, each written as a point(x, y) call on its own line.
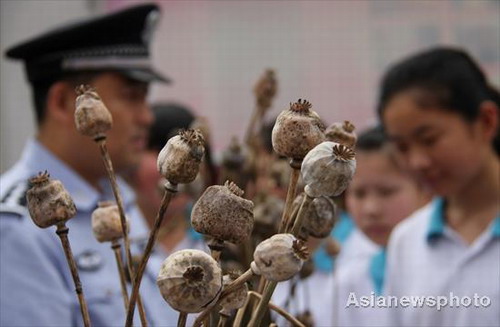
point(442, 116)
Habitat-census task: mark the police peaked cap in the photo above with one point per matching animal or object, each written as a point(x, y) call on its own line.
point(115, 42)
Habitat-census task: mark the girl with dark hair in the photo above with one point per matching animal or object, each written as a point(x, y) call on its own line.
point(441, 115)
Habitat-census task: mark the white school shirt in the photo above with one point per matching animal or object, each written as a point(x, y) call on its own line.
point(353, 275)
point(427, 258)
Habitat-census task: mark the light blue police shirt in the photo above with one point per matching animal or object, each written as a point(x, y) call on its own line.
point(36, 288)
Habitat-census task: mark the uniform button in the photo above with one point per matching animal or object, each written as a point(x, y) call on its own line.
point(89, 260)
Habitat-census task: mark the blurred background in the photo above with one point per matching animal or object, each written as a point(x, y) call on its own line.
point(331, 53)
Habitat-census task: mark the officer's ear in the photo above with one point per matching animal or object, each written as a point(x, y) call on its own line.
point(61, 102)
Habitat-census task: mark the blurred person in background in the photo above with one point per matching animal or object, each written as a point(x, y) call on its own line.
point(110, 53)
point(441, 114)
point(380, 195)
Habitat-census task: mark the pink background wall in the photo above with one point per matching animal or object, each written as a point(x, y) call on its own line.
point(330, 52)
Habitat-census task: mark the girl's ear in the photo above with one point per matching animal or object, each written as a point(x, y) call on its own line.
point(61, 102)
point(489, 119)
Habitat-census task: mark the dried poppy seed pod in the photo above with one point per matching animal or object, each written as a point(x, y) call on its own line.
point(189, 280)
point(92, 118)
point(179, 160)
point(279, 258)
point(342, 133)
point(106, 223)
point(222, 213)
point(265, 89)
point(307, 269)
point(48, 201)
point(327, 169)
point(233, 157)
point(267, 214)
point(297, 130)
point(235, 299)
point(319, 216)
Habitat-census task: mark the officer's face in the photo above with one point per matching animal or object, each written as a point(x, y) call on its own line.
point(132, 117)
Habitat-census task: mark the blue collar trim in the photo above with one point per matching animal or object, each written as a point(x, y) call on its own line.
point(324, 262)
point(377, 270)
point(496, 227)
point(436, 223)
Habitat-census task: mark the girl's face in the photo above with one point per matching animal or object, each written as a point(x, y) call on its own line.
point(443, 150)
point(380, 195)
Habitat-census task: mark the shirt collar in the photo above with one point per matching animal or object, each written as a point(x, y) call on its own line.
point(437, 223)
point(342, 230)
point(496, 227)
point(38, 158)
point(377, 270)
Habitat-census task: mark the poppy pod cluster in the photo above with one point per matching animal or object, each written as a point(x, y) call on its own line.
point(327, 169)
point(179, 160)
point(223, 214)
point(48, 201)
point(92, 118)
point(279, 257)
point(297, 130)
point(189, 280)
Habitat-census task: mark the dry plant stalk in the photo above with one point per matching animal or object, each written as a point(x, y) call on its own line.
point(106, 226)
point(178, 162)
point(181, 321)
point(93, 119)
point(116, 246)
point(234, 285)
point(50, 204)
point(265, 89)
point(134, 296)
point(62, 231)
point(279, 310)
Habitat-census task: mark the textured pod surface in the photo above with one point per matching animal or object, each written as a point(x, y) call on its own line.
point(222, 213)
point(319, 216)
point(342, 133)
point(92, 118)
point(106, 223)
point(297, 130)
point(179, 160)
point(189, 280)
point(48, 201)
point(328, 169)
point(279, 258)
point(268, 211)
point(236, 299)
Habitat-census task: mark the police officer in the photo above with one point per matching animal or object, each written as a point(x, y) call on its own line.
point(111, 54)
